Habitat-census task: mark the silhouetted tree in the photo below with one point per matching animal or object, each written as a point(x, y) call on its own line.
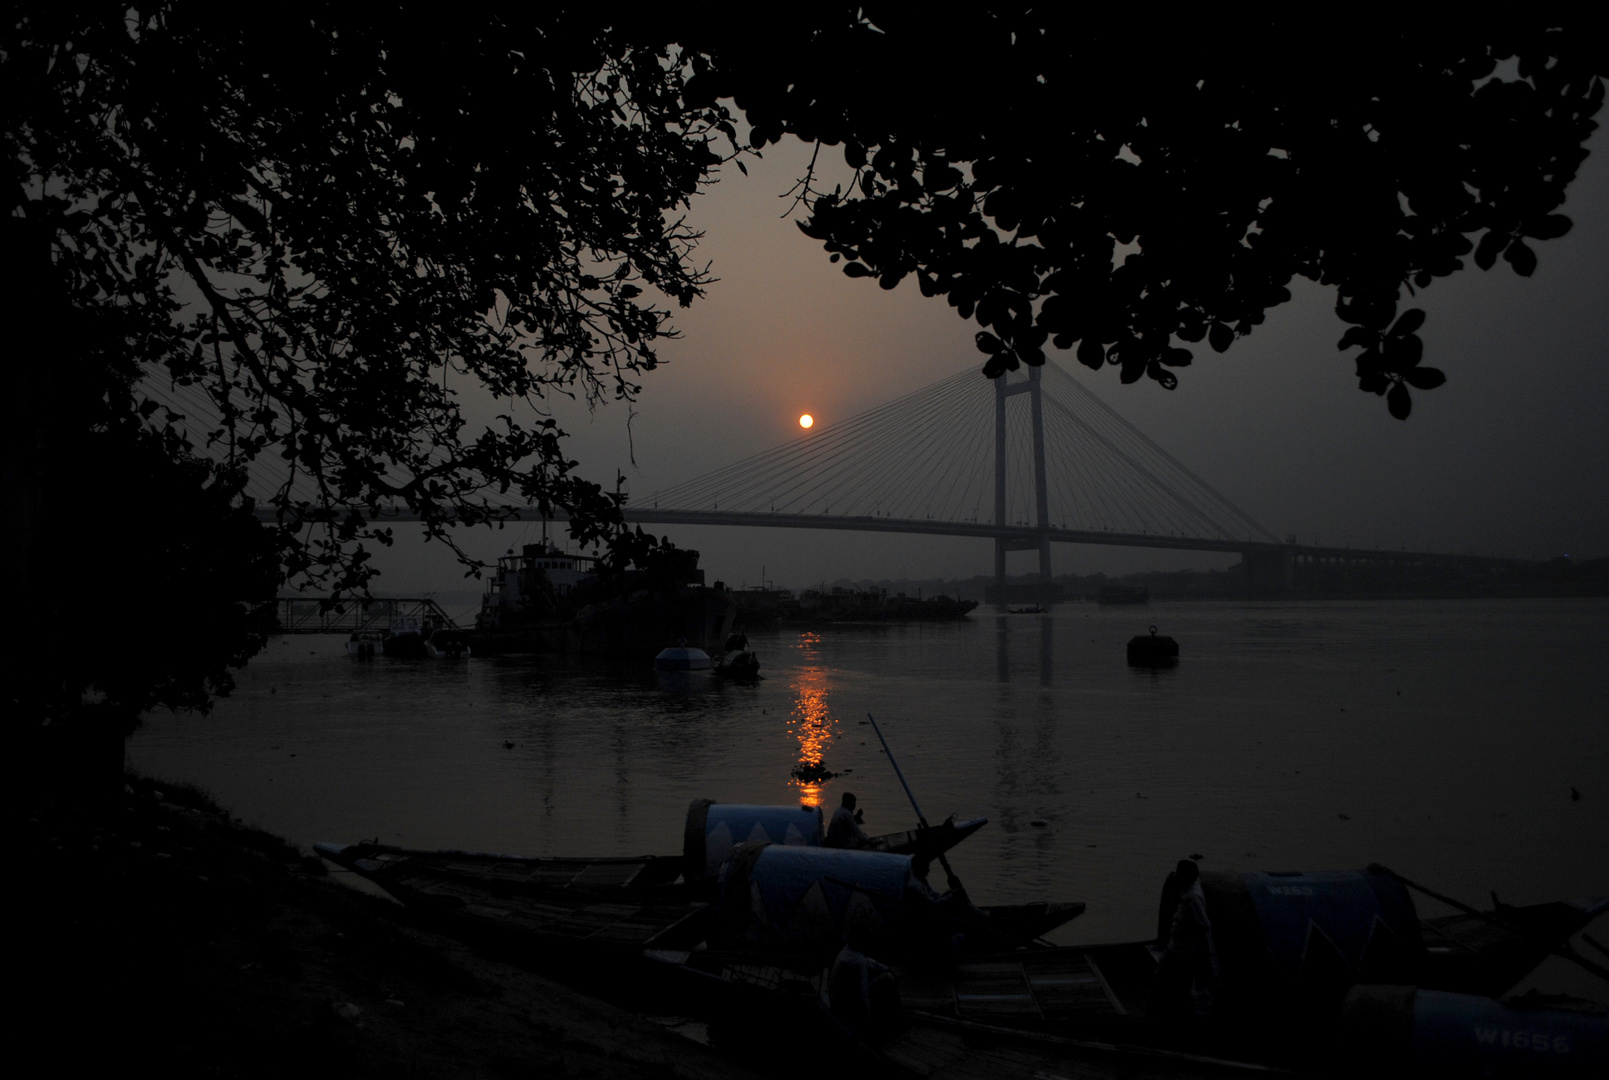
point(329, 218)
point(1127, 181)
point(332, 217)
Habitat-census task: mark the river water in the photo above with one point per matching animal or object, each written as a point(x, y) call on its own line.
point(1441, 738)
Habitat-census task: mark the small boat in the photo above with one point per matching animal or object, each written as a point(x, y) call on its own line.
point(447, 645)
point(624, 914)
point(364, 644)
point(1028, 609)
point(1150, 650)
point(737, 664)
point(713, 829)
point(405, 639)
point(682, 658)
point(1316, 968)
point(623, 925)
point(1313, 966)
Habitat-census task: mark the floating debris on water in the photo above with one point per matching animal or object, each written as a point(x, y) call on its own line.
point(812, 772)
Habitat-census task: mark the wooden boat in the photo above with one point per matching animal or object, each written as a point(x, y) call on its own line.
point(1285, 1000)
point(447, 644)
point(364, 645)
point(737, 664)
point(658, 925)
point(420, 872)
point(631, 926)
point(405, 638)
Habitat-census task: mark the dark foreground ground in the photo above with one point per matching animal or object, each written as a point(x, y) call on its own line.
point(156, 935)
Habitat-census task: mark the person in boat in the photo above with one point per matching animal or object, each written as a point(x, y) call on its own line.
point(737, 641)
point(844, 830)
point(861, 991)
point(942, 921)
point(1186, 979)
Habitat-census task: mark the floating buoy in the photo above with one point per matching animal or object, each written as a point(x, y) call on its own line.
point(1152, 650)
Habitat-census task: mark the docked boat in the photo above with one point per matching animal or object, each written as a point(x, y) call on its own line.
point(588, 910)
point(543, 600)
point(406, 638)
point(365, 644)
point(447, 645)
point(738, 664)
point(735, 661)
point(1315, 968)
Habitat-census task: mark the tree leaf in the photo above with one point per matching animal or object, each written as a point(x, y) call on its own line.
point(1091, 353)
point(988, 343)
point(1409, 321)
point(1424, 378)
point(1357, 335)
point(855, 269)
point(1167, 379)
point(1220, 337)
point(1549, 228)
point(1000, 363)
point(1520, 256)
point(1399, 401)
point(1402, 353)
point(1487, 250)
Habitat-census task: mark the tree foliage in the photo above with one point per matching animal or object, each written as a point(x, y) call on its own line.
point(1128, 187)
point(334, 218)
point(139, 574)
point(331, 221)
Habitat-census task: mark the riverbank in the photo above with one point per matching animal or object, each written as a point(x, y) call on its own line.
point(160, 933)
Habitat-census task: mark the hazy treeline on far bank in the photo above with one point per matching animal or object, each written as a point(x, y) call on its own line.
point(1560, 577)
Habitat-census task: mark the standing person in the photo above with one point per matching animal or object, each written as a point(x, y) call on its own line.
point(1187, 977)
point(844, 830)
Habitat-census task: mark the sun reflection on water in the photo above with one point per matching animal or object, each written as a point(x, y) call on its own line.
point(812, 723)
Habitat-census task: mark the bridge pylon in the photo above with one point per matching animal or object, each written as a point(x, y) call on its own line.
point(1041, 591)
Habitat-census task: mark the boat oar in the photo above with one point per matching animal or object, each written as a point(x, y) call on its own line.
point(1560, 949)
point(921, 820)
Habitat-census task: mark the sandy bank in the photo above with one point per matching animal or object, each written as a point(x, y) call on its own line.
point(157, 934)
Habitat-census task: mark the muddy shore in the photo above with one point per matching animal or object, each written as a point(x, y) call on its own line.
point(158, 934)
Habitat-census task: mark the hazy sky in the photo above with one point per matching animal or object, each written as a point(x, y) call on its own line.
point(1509, 457)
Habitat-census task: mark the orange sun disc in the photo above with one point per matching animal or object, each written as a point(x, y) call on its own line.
point(806, 420)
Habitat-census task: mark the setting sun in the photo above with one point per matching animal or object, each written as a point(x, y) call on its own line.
point(806, 420)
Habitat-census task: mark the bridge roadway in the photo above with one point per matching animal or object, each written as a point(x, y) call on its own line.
point(1017, 537)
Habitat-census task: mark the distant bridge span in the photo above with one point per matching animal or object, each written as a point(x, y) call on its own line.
point(1261, 556)
point(1016, 537)
point(1268, 564)
point(1030, 459)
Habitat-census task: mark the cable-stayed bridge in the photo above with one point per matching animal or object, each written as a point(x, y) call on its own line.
point(1026, 460)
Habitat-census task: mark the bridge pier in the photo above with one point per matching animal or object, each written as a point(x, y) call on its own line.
point(1041, 591)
